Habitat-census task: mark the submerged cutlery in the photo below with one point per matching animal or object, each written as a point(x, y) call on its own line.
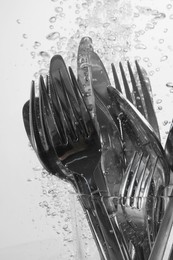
point(140, 95)
point(136, 201)
point(77, 159)
point(89, 134)
point(139, 138)
point(169, 148)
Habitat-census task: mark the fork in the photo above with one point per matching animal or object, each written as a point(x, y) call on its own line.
point(63, 159)
point(145, 160)
point(140, 96)
point(136, 133)
point(136, 204)
point(46, 150)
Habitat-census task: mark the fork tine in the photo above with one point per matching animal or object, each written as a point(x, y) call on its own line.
point(41, 138)
point(47, 84)
point(131, 186)
point(49, 127)
point(149, 179)
point(39, 141)
point(138, 100)
point(126, 85)
point(138, 189)
point(59, 114)
point(126, 176)
point(116, 80)
point(72, 113)
point(35, 138)
point(83, 108)
point(148, 103)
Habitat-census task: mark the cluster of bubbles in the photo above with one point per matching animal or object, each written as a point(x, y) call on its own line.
point(65, 214)
point(115, 31)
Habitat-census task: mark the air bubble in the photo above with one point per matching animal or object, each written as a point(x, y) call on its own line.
point(140, 46)
point(159, 15)
point(151, 73)
point(169, 84)
point(171, 16)
point(99, 3)
point(146, 59)
point(105, 25)
point(37, 168)
point(112, 37)
point(18, 21)
point(36, 44)
point(33, 54)
point(25, 36)
point(136, 15)
point(149, 26)
point(44, 204)
point(36, 74)
point(158, 101)
point(161, 41)
point(163, 58)
point(62, 14)
point(165, 122)
point(159, 107)
point(85, 5)
point(58, 9)
point(52, 19)
point(44, 54)
point(53, 36)
point(169, 6)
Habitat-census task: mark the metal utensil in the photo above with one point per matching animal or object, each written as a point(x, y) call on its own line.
point(93, 81)
point(89, 156)
point(163, 247)
point(135, 209)
point(139, 96)
point(44, 130)
point(138, 137)
point(169, 148)
point(48, 157)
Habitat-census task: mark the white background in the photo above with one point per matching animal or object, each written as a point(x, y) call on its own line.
point(23, 223)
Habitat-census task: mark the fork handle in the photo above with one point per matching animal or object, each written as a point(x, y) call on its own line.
point(113, 237)
point(81, 186)
point(164, 244)
point(97, 234)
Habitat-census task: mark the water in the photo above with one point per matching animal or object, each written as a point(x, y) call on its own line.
point(120, 30)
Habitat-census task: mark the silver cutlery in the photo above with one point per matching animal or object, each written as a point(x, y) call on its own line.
point(42, 142)
point(105, 141)
point(139, 95)
point(70, 149)
point(140, 138)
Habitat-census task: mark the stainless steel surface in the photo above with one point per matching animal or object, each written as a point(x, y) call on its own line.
point(87, 133)
point(163, 246)
point(136, 208)
point(139, 94)
point(70, 160)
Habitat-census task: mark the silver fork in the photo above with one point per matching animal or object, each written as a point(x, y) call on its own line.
point(144, 157)
point(60, 146)
point(136, 204)
point(140, 96)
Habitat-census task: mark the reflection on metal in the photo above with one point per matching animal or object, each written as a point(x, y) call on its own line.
point(105, 142)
